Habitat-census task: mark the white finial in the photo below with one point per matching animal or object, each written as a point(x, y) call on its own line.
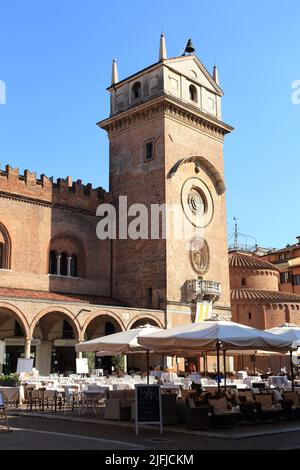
point(162, 48)
point(114, 73)
point(216, 75)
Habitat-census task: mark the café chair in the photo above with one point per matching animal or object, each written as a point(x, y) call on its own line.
point(222, 411)
point(266, 409)
point(3, 415)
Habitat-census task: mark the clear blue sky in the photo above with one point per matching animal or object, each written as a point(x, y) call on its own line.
point(55, 58)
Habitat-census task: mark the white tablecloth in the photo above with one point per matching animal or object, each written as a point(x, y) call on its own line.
point(13, 394)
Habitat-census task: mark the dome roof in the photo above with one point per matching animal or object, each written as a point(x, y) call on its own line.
point(264, 296)
point(248, 261)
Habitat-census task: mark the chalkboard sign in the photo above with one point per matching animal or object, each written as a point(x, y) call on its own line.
point(148, 405)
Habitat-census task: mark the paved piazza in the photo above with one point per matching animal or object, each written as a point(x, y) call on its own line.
point(54, 433)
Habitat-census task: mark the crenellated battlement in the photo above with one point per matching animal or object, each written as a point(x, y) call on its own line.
point(62, 192)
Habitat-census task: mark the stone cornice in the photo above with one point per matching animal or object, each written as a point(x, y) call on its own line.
point(39, 202)
point(166, 105)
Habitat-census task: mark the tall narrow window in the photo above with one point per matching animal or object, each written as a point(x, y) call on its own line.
point(136, 90)
point(53, 263)
point(73, 266)
point(149, 296)
point(244, 281)
point(249, 316)
point(149, 150)
point(193, 93)
point(64, 264)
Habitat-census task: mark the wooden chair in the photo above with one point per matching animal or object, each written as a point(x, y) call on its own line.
point(32, 398)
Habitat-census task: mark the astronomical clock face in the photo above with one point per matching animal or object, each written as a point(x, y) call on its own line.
point(197, 202)
point(199, 254)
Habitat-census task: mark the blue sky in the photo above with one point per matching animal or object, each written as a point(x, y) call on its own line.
point(55, 58)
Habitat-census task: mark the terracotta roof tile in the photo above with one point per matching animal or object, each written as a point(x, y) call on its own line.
point(263, 295)
point(8, 292)
point(248, 261)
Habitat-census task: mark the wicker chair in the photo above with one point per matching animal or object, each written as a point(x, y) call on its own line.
point(266, 409)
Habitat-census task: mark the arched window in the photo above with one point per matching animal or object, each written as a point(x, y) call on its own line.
point(73, 270)
point(136, 90)
point(244, 282)
point(64, 264)
point(2, 246)
point(66, 256)
point(52, 262)
point(193, 93)
point(5, 248)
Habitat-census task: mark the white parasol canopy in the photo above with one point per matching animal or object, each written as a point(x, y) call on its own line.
point(287, 331)
point(117, 343)
point(210, 335)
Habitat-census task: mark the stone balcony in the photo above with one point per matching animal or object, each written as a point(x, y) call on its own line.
point(199, 289)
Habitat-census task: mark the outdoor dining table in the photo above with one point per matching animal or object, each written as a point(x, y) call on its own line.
point(92, 397)
point(14, 395)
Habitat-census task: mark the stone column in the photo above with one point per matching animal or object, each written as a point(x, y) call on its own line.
point(69, 259)
point(58, 257)
point(27, 347)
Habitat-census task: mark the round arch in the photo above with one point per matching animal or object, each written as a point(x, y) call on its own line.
point(17, 314)
point(60, 310)
point(144, 320)
point(205, 164)
point(99, 314)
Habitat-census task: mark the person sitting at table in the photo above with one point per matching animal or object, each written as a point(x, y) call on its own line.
point(192, 368)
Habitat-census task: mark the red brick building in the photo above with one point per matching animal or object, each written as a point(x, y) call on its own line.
point(256, 298)
point(59, 283)
point(287, 260)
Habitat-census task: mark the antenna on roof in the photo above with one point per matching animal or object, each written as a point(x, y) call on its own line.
point(249, 243)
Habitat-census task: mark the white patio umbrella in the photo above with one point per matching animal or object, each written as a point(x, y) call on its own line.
point(288, 331)
point(214, 335)
point(209, 335)
point(291, 333)
point(119, 343)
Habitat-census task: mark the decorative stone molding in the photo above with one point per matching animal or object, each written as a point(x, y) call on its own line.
point(165, 105)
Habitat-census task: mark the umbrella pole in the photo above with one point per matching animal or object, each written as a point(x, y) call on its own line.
point(148, 372)
point(254, 365)
point(218, 365)
point(292, 369)
point(224, 367)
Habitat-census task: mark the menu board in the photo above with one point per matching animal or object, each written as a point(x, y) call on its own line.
point(148, 405)
point(82, 366)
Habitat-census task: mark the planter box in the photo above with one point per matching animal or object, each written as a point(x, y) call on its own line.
point(9, 383)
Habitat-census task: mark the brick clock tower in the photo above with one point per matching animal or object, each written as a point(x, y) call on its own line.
point(166, 147)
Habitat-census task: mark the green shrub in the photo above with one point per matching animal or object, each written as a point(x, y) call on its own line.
point(9, 380)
